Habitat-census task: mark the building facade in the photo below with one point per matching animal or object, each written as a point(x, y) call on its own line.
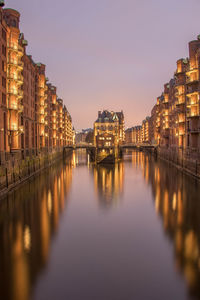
point(109, 129)
point(32, 118)
point(175, 118)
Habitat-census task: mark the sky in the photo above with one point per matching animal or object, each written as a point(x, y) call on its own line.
point(108, 54)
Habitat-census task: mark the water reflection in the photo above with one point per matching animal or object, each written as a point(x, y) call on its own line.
point(29, 217)
point(177, 201)
point(108, 182)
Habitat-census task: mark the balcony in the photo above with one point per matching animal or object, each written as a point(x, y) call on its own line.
point(20, 94)
point(192, 102)
point(20, 79)
point(190, 80)
point(20, 50)
point(20, 65)
point(192, 90)
point(13, 91)
point(191, 71)
point(12, 62)
point(20, 108)
point(181, 120)
point(193, 113)
point(14, 77)
point(13, 105)
point(12, 47)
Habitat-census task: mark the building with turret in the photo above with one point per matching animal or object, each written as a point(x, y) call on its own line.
point(109, 129)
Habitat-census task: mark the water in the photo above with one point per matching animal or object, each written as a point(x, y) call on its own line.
point(81, 232)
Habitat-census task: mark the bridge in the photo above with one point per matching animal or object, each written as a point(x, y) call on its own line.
point(123, 146)
point(80, 146)
point(107, 154)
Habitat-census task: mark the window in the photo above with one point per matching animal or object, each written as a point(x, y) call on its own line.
point(3, 50)
point(3, 34)
point(4, 82)
point(4, 98)
point(3, 66)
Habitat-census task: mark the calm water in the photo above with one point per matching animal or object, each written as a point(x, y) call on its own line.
point(80, 232)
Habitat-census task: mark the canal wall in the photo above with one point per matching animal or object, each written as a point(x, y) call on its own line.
point(185, 160)
point(17, 170)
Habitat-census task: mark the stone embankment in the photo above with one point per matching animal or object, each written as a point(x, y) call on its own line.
point(17, 170)
point(187, 161)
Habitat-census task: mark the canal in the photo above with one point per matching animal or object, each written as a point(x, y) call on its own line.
point(84, 232)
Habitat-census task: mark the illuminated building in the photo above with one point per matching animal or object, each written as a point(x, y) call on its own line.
point(193, 95)
point(109, 129)
point(32, 118)
point(41, 96)
point(145, 130)
point(69, 134)
point(4, 146)
point(14, 79)
point(28, 142)
point(133, 135)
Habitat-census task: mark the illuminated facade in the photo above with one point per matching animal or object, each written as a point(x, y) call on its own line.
point(109, 129)
point(14, 79)
point(133, 135)
point(4, 146)
point(32, 118)
point(145, 130)
point(175, 118)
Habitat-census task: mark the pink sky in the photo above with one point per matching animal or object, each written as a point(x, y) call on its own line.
point(108, 54)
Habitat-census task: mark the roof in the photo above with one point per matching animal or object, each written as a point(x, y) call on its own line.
point(105, 117)
point(109, 117)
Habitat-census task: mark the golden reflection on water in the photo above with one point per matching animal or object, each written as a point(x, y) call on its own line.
point(28, 219)
point(108, 183)
point(30, 216)
point(177, 201)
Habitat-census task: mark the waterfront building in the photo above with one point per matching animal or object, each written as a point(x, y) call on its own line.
point(28, 120)
point(174, 125)
point(180, 78)
point(152, 126)
point(60, 123)
point(129, 135)
point(109, 129)
point(85, 136)
point(133, 135)
point(14, 80)
point(32, 118)
point(145, 131)
point(193, 95)
point(4, 146)
point(41, 97)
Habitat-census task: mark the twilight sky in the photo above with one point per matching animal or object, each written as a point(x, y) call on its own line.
point(108, 54)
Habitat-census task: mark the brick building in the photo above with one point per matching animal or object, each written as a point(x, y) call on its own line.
point(32, 118)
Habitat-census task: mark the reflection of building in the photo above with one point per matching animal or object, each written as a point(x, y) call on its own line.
point(27, 222)
point(176, 201)
point(109, 181)
point(109, 129)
